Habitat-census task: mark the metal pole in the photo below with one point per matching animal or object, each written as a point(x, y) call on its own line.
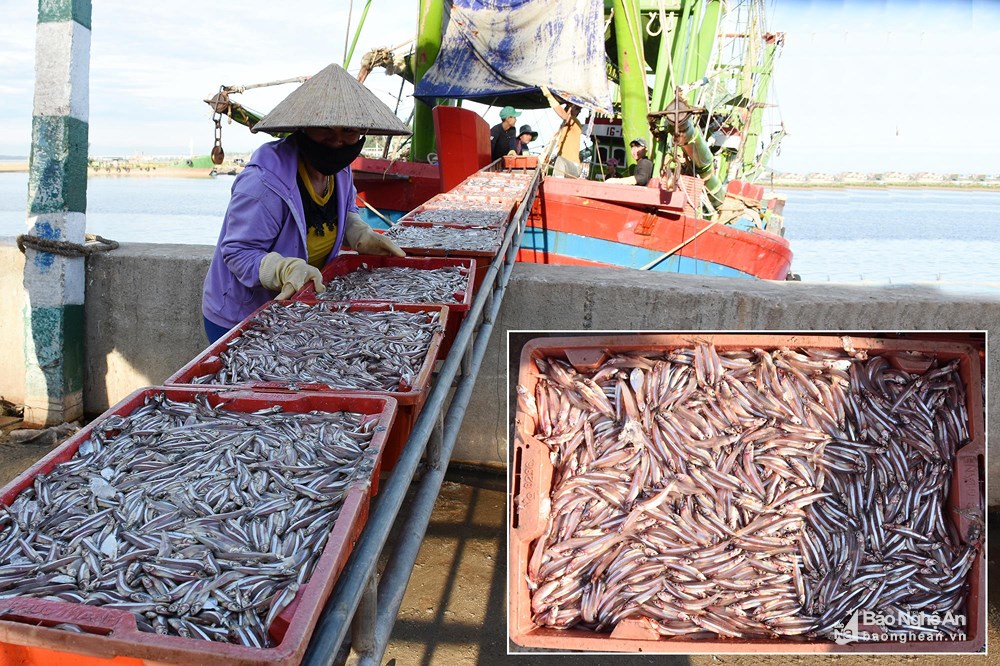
point(333, 624)
point(428, 44)
point(347, 30)
point(434, 444)
point(357, 33)
point(397, 573)
point(363, 625)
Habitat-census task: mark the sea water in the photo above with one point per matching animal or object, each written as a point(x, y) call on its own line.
point(894, 235)
point(880, 236)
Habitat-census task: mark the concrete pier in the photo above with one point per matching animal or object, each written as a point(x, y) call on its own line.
point(143, 322)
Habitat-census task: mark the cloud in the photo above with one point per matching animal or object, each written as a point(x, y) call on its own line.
point(153, 64)
point(849, 74)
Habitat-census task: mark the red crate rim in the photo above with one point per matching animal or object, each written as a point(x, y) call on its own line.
point(405, 396)
point(535, 469)
point(118, 634)
point(354, 261)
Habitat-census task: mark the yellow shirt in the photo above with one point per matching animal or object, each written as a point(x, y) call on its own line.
point(318, 247)
point(571, 145)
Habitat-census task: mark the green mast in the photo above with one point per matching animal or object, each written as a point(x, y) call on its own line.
point(428, 45)
point(749, 148)
point(357, 33)
point(705, 27)
point(631, 70)
point(687, 37)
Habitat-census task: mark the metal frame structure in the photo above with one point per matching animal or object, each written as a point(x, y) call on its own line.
point(360, 602)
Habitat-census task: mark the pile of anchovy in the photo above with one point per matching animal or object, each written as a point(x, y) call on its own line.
point(495, 178)
point(399, 284)
point(464, 215)
point(473, 201)
point(747, 493)
point(509, 185)
point(201, 521)
point(445, 238)
point(372, 350)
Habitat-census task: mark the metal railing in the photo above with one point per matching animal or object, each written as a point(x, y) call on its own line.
point(358, 595)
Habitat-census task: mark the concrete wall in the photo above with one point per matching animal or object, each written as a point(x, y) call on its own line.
point(143, 322)
point(12, 308)
point(143, 317)
point(572, 298)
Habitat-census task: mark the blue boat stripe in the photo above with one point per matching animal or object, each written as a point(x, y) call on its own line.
point(620, 254)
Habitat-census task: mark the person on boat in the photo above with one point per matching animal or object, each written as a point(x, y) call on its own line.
point(525, 135)
point(611, 168)
point(568, 140)
point(293, 206)
point(502, 136)
point(643, 165)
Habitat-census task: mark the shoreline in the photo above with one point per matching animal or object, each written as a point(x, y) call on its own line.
point(988, 187)
point(135, 172)
point(194, 172)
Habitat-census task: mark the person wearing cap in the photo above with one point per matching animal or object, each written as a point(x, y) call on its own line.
point(502, 135)
point(525, 135)
point(293, 206)
point(643, 165)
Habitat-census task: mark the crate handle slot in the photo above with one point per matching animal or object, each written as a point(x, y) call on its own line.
point(532, 504)
point(586, 360)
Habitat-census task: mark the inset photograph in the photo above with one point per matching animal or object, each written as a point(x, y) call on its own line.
point(792, 492)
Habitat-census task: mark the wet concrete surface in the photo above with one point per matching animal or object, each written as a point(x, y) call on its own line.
point(16, 455)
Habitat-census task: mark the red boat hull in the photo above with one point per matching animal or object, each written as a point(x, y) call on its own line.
point(587, 223)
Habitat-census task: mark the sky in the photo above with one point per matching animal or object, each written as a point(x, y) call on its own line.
point(860, 86)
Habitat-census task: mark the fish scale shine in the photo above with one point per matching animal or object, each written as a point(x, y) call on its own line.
point(758, 491)
point(161, 550)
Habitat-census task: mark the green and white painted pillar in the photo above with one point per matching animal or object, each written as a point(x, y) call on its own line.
point(57, 204)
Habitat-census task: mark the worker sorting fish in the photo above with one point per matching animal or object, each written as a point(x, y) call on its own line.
point(749, 493)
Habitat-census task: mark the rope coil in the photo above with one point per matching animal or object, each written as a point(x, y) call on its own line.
point(94, 243)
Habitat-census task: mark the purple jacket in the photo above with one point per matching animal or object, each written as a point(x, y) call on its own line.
point(265, 215)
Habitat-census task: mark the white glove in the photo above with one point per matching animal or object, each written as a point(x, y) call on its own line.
point(287, 275)
point(365, 241)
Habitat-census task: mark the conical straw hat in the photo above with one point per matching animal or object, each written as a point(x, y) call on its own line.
point(332, 98)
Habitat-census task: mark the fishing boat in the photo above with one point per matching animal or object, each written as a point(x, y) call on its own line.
point(690, 77)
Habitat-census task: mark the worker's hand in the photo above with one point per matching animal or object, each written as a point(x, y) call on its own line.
point(287, 275)
point(365, 241)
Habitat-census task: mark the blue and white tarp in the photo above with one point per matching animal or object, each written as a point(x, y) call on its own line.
point(503, 47)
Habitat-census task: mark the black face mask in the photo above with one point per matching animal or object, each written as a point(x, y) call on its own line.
point(326, 160)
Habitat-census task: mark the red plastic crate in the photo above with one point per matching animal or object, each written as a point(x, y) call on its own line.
point(457, 195)
point(25, 626)
point(451, 206)
point(483, 257)
point(520, 162)
point(348, 263)
point(531, 484)
point(410, 399)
